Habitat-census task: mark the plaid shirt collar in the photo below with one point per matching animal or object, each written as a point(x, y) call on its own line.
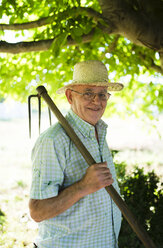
point(85, 128)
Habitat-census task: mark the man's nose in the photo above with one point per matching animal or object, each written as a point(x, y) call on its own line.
point(96, 98)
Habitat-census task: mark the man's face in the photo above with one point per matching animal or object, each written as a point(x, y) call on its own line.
point(90, 111)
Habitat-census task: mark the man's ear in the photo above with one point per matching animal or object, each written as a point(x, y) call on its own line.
point(68, 94)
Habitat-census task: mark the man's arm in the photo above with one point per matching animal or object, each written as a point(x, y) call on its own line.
point(97, 176)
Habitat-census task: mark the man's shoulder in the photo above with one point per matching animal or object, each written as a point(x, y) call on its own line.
point(54, 132)
point(54, 137)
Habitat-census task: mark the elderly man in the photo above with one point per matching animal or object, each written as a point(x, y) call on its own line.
point(68, 198)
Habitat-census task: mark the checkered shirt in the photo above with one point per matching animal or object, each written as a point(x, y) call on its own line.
point(92, 222)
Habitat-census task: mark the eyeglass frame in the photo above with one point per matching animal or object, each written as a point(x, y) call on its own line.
point(93, 95)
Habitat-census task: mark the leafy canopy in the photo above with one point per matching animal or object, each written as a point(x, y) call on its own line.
point(76, 32)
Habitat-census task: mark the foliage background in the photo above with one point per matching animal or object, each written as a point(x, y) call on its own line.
point(78, 30)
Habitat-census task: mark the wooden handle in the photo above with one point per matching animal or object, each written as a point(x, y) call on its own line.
point(137, 228)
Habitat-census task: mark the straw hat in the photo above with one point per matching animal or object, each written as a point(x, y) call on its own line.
point(93, 73)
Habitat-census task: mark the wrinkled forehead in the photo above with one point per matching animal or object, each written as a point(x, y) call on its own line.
point(90, 88)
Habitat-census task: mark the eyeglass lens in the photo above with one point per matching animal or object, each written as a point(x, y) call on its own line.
point(101, 96)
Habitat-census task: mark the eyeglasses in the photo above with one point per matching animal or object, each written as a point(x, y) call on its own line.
point(89, 96)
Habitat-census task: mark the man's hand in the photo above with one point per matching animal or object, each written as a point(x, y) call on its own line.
point(97, 176)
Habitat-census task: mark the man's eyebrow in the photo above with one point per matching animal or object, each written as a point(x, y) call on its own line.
point(90, 90)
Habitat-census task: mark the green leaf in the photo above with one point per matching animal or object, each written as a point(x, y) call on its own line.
point(12, 19)
point(58, 43)
point(87, 28)
point(77, 31)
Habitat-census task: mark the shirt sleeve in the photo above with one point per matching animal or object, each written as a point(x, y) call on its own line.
point(47, 172)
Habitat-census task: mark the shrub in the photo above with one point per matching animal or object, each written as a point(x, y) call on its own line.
point(144, 197)
point(2, 220)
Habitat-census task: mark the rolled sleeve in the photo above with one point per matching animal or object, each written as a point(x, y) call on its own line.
point(47, 173)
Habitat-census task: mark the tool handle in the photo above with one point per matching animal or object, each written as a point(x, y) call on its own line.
point(139, 230)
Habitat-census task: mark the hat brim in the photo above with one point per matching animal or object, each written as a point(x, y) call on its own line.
point(110, 86)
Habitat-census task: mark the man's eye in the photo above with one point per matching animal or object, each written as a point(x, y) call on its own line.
point(102, 95)
point(88, 94)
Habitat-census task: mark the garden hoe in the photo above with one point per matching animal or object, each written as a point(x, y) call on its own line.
point(137, 228)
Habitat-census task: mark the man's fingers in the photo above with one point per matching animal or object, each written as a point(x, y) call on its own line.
point(102, 171)
point(100, 165)
point(109, 179)
point(97, 176)
point(104, 164)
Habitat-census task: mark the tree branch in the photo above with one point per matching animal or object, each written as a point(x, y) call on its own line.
point(151, 64)
point(22, 47)
point(73, 12)
point(28, 25)
point(156, 68)
point(36, 46)
point(133, 25)
point(161, 60)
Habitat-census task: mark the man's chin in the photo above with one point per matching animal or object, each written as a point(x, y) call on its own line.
point(92, 121)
